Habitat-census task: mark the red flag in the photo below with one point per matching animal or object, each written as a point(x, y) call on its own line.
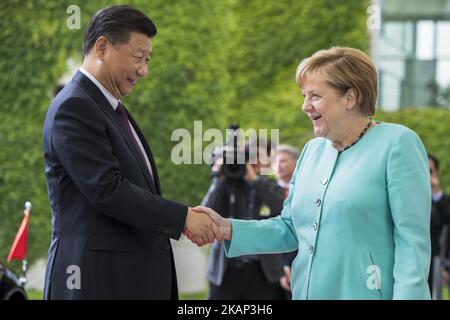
point(19, 248)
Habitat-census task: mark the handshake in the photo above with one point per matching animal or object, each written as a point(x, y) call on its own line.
point(204, 225)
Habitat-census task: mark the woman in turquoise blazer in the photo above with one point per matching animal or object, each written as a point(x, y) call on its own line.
point(358, 209)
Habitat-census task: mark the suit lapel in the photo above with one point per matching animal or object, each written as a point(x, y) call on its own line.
point(105, 106)
point(148, 152)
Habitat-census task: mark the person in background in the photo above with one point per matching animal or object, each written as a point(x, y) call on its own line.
point(284, 167)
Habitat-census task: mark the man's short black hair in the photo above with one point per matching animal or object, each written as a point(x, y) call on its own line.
point(116, 23)
point(435, 161)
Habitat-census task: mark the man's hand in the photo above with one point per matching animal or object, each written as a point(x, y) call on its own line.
point(223, 224)
point(200, 228)
point(217, 165)
point(285, 280)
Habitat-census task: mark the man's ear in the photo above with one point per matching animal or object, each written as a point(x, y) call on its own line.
point(101, 46)
point(351, 98)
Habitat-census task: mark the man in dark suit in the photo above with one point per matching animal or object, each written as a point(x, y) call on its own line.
point(439, 224)
point(284, 167)
point(111, 226)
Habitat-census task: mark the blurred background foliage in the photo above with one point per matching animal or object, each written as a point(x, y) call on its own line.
point(215, 61)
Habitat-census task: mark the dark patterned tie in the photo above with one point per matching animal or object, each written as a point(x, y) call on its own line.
point(123, 117)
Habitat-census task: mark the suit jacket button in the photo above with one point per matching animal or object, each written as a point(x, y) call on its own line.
point(167, 246)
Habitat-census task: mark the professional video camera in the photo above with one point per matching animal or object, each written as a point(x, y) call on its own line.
point(234, 157)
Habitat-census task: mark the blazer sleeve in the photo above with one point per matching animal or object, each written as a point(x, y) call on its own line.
point(274, 235)
point(409, 191)
point(81, 144)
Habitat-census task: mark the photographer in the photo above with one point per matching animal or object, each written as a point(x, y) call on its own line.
point(439, 231)
point(249, 196)
point(284, 167)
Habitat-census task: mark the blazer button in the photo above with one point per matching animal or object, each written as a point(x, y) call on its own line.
point(310, 249)
point(315, 225)
point(167, 246)
point(324, 180)
point(318, 202)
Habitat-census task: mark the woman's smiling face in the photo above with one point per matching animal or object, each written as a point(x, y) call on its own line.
point(324, 105)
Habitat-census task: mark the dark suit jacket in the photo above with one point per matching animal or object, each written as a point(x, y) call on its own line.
point(217, 198)
point(111, 227)
point(440, 216)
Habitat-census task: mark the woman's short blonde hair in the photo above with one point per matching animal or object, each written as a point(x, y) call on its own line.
point(344, 68)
